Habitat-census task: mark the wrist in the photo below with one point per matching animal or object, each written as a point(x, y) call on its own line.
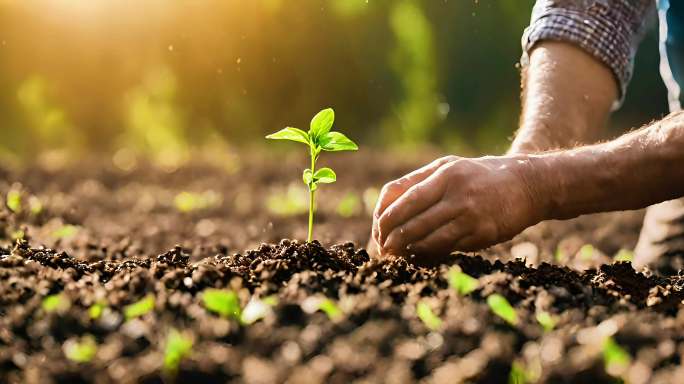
point(538, 178)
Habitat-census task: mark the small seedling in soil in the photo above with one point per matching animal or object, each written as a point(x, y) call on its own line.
point(95, 310)
point(615, 358)
point(425, 314)
point(546, 320)
point(256, 309)
point(624, 255)
point(224, 302)
point(35, 206)
point(139, 308)
point(502, 308)
point(14, 201)
point(318, 138)
point(189, 201)
point(56, 303)
point(178, 346)
point(65, 231)
point(518, 374)
point(80, 351)
point(586, 253)
point(462, 282)
point(317, 303)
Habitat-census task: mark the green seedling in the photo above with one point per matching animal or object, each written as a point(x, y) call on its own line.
point(615, 358)
point(14, 201)
point(546, 320)
point(518, 374)
point(462, 282)
point(560, 255)
point(318, 138)
point(178, 346)
point(502, 308)
point(65, 231)
point(425, 314)
point(35, 205)
point(624, 255)
point(190, 201)
point(330, 308)
point(56, 303)
point(586, 253)
point(349, 206)
point(18, 234)
point(224, 302)
point(140, 307)
point(256, 309)
point(81, 351)
point(95, 310)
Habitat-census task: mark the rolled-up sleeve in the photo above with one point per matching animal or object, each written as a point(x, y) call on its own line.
point(609, 30)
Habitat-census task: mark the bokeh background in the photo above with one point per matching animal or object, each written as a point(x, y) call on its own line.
point(161, 78)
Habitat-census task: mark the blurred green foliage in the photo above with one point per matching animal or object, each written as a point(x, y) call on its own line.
point(160, 78)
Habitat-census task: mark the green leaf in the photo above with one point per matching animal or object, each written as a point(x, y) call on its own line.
point(65, 231)
point(290, 133)
point(336, 141)
point(624, 255)
point(81, 351)
point(325, 176)
point(140, 307)
point(307, 176)
point(256, 309)
point(14, 201)
point(178, 346)
point(502, 308)
point(95, 310)
point(586, 253)
point(614, 357)
point(547, 321)
point(462, 282)
point(425, 314)
point(321, 124)
point(56, 303)
point(518, 374)
point(330, 308)
point(224, 302)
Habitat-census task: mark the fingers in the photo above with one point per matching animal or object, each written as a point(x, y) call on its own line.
point(414, 201)
point(418, 227)
point(391, 191)
point(443, 240)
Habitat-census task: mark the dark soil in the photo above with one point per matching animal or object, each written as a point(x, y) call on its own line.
point(130, 241)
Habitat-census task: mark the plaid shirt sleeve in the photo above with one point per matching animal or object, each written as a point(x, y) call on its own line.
point(609, 30)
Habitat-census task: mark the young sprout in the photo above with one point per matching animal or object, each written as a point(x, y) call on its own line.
point(318, 303)
point(140, 307)
point(56, 303)
point(318, 138)
point(178, 346)
point(256, 309)
point(14, 201)
point(462, 282)
point(425, 314)
point(560, 255)
point(502, 308)
point(624, 255)
point(80, 351)
point(65, 231)
point(586, 253)
point(518, 374)
point(615, 358)
point(224, 302)
point(35, 205)
point(95, 310)
point(546, 320)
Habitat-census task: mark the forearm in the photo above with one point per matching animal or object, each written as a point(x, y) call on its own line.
point(636, 170)
point(567, 97)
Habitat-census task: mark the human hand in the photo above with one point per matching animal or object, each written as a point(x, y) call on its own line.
point(457, 203)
